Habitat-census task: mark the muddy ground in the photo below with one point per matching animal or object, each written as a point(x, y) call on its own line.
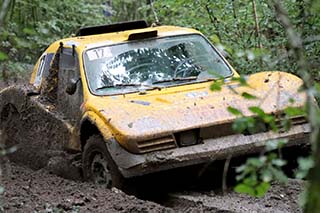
point(27, 190)
point(38, 191)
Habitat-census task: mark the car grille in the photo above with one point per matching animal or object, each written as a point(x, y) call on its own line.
point(156, 144)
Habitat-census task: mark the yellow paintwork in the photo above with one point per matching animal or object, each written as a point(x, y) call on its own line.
point(176, 108)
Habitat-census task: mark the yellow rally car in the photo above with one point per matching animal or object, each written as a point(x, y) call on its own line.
point(135, 100)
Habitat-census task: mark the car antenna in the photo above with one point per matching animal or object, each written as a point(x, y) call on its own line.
point(157, 22)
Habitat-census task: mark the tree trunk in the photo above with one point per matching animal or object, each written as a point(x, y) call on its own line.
point(256, 22)
point(3, 12)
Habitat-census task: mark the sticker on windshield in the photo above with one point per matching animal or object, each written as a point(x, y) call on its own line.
point(99, 53)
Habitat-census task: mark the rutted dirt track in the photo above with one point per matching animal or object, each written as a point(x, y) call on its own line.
point(28, 190)
point(38, 191)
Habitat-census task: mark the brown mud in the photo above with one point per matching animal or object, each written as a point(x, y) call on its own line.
point(39, 191)
point(39, 135)
point(30, 185)
point(26, 190)
point(280, 198)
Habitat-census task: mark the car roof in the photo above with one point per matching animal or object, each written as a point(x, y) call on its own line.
point(90, 41)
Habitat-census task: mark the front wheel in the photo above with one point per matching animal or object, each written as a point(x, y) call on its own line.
point(98, 165)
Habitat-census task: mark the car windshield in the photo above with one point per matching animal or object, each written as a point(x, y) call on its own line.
point(158, 62)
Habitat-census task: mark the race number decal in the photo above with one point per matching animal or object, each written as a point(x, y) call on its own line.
point(99, 53)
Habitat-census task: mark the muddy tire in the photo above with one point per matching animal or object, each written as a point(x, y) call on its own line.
point(98, 165)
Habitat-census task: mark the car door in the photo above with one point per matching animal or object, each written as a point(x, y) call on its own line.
point(69, 104)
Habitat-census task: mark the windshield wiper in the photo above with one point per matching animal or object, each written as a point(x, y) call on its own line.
point(118, 85)
point(149, 87)
point(190, 78)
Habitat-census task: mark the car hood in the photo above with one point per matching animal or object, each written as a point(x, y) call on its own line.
point(160, 113)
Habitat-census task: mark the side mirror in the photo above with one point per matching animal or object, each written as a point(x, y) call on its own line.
point(72, 86)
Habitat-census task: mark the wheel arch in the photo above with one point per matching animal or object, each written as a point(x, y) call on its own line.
point(90, 125)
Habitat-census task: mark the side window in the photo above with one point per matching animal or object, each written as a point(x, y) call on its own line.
point(67, 60)
point(43, 68)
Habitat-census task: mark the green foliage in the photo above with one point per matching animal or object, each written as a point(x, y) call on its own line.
point(230, 26)
point(252, 187)
point(31, 25)
point(305, 164)
point(242, 80)
point(248, 96)
point(234, 111)
point(3, 56)
point(260, 122)
point(216, 86)
point(295, 111)
point(257, 173)
point(244, 124)
point(270, 120)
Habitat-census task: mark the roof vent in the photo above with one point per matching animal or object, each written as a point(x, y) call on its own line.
point(111, 28)
point(143, 35)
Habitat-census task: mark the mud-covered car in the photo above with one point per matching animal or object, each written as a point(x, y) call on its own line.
point(135, 100)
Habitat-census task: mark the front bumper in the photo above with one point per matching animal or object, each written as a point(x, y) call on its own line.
point(131, 165)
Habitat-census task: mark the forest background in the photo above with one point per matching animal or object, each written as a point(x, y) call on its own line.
point(246, 31)
point(253, 35)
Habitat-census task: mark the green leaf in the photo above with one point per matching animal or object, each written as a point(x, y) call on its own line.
point(214, 38)
point(3, 56)
point(251, 180)
point(251, 122)
point(234, 111)
point(286, 124)
point(216, 86)
point(258, 111)
point(248, 96)
point(275, 144)
point(241, 168)
point(29, 31)
point(243, 188)
point(294, 111)
point(279, 162)
point(291, 100)
point(242, 80)
point(262, 189)
point(266, 175)
point(256, 162)
point(279, 175)
point(306, 163)
point(239, 125)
